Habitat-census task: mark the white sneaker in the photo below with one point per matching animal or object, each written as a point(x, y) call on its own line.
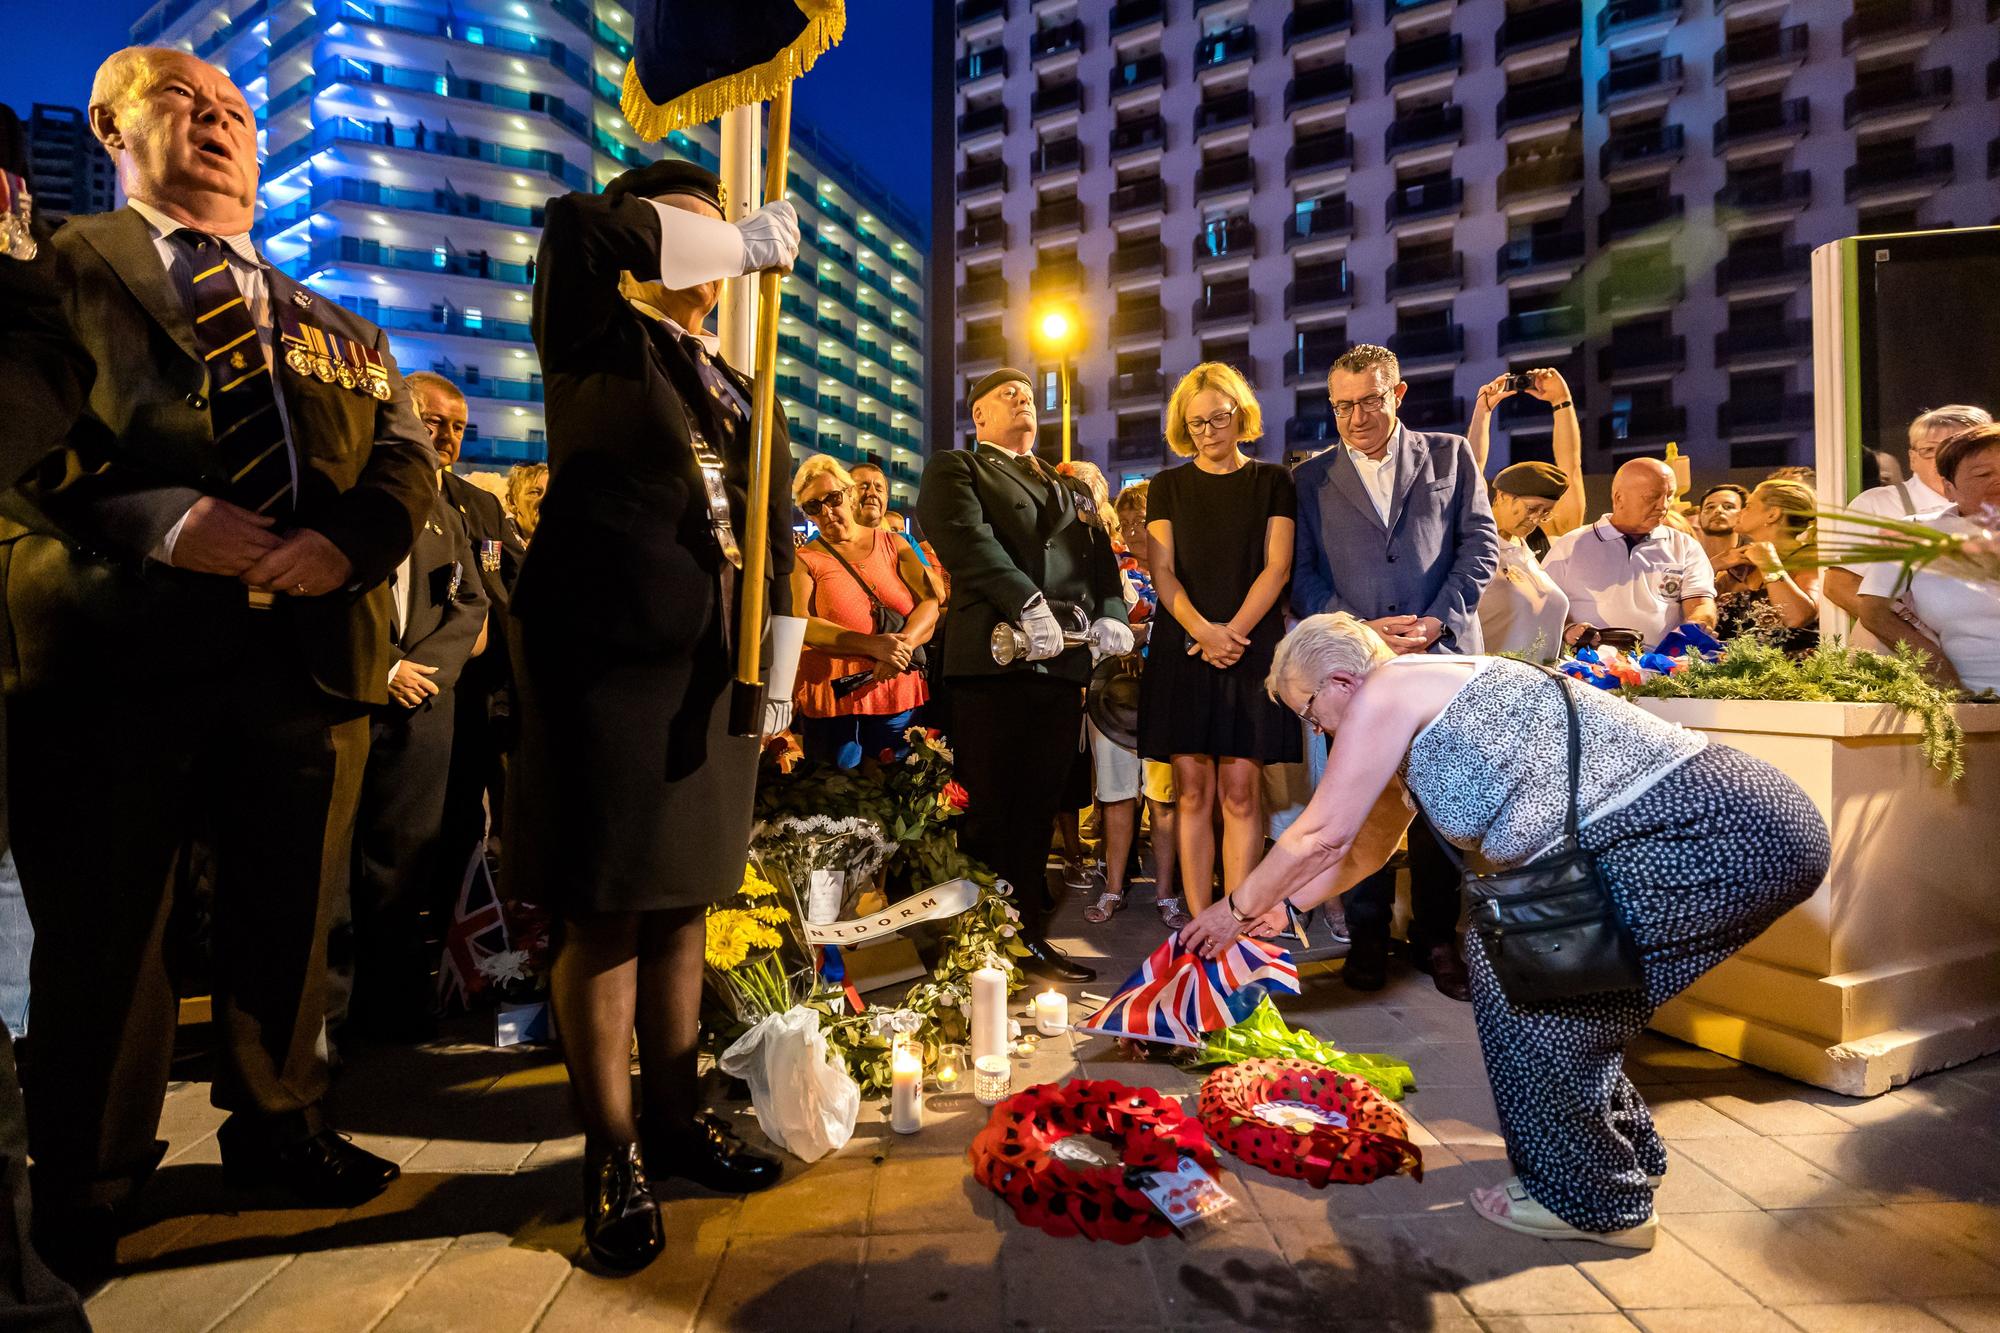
point(1509, 1205)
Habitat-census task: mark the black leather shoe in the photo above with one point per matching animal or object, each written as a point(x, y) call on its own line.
point(621, 1219)
point(1045, 960)
point(1367, 965)
point(705, 1151)
point(324, 1171)
point(79, 1245)
point(1447, 969)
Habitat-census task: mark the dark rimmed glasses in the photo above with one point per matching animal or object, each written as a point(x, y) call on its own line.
point(831, 500)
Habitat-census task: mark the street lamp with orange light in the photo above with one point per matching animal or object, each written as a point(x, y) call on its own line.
point(1056, 334)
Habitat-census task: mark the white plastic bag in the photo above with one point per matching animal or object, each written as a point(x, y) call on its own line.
point(806, 1103)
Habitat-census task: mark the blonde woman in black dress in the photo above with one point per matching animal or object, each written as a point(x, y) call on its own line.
point(1219, 537)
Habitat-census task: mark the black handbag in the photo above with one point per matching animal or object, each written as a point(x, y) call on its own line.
point(1549, 928)
point(887, 620)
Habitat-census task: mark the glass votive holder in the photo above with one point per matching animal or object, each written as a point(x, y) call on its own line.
point(949, 1071)
point(990, 1076)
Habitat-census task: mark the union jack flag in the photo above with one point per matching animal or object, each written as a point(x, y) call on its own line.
point(1176, 996)
point(478, 930)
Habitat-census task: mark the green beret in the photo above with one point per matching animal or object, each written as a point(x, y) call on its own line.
point(1533, 480)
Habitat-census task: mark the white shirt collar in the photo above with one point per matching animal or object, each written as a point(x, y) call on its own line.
point(1360, 459)
point(164, 226)
point(710, 343)
point(1606, 531)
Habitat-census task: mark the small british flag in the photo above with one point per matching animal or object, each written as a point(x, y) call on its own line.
point(1176, 996)
point(478, 931)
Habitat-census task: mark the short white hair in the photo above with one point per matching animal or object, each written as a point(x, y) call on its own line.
point(1321, 646)
point(1951, 419)
point(820, 465)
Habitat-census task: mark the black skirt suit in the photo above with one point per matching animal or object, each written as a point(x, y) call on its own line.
point(628, 793)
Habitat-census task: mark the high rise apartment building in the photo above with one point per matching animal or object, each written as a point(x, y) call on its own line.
point(67, 170)
point(1627, 191)
point(409, 150)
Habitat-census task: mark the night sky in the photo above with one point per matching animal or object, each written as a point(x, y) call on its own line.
point(871, 94)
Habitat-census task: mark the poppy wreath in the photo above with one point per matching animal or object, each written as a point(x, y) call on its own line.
point(1013, 1156)
point(1374, 1143)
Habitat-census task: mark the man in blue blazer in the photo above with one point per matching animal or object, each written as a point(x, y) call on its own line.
point(1394, 528)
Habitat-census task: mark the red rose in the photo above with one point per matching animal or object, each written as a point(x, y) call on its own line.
point(954, 796)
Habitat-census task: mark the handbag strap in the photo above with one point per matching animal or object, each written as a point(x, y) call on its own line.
point(866, 587)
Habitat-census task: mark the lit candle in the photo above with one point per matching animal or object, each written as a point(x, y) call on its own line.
point(950, 1066)
point(1052, 1013)
point(906, 1090)
point(989, 1012)
point(990, 1077)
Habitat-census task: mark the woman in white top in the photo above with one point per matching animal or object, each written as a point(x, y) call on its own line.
point(1522, 610)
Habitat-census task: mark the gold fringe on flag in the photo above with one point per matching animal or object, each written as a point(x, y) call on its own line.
point(826, 24)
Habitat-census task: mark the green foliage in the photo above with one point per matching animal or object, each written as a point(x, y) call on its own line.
point(1830, 673)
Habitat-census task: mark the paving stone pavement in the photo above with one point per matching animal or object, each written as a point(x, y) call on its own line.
point(1785, 1208)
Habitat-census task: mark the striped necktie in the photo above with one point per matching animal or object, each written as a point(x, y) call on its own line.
point(242, 402)
point(712, 379)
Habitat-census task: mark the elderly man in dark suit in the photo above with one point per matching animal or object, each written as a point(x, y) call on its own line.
point(1014, 536)
point(1395, 528)
point(244, 476)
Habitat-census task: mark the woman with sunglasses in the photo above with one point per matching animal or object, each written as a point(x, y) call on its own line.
point(857, 689)
point(1219, 540)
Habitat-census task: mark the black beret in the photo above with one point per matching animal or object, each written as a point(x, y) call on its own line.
point(671, 175)
point(1535, 480)
point(994, 379)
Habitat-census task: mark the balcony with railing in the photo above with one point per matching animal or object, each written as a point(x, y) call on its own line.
point(1425, 273)
point(1545, 174)
point(978, 11)
point(983, 347)
point(1223, 304)
point(1641, 425)
point(1139, 72)
point(1313, 354)
point(441, 319)
point(1225, 48)
point(1436, 54)
point(1131, 257)
point(1764, 414)
point(1896, 92)
point(1228, 173)
point(983, 120)
point(1624, 216)
point(1884, 20)
point(1226, 238)
point(1129, 321)
point(1137, 448)
point(1130, 14)
point(982, 289)
point(1897, 170)
point(1542, 99)
point(1057, 39)
point(1756, 50)
point(1621, 16)
point(982, 233)
point(1056, 215)
point(1143, 384)
point(1140, 196)
point(433, 142)
point(1053, 275)
point(1784, 339)
point(443, 202)
point(976, 65)
point(1317, 18)
point(1324, 288)
point(1641, 147)
point(1765, 190)
point(490, 386)
point(1056, 155)
point(1312, 428)
point(1637, 78)
point(1225, 110)
point(1523, 29)
point(1755, 267)
point(1133, 136)
point(1534, 254)
point(1318, 221)
point(1763, 121)
point(1426, 199)
point(1066, 96)
point(1429, 344)
point(365, 250)
point(1422, 126)
point(1323, 151)
point(1324, 83)
point(1432, 408)
point(1642, 353)
point(1539, 328)
point(982, 176)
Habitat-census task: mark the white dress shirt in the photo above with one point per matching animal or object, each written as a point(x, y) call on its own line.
point(1378, 475)
point(1962, 614)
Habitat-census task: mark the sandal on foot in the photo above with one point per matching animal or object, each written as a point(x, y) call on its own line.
point(1509, 1205)
point(1106, 906)
point(1173, 912)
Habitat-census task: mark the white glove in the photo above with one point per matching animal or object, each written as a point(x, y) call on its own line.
point(1045, 636)
point(770, 238)
point(1109, 638)
point(777, 716)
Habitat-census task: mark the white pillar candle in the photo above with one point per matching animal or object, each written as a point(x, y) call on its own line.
point(989, 1012)
point(1052, 1013)
point(906, 1091)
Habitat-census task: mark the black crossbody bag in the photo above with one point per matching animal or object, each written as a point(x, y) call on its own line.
point(888, 620)
point(1549, 928)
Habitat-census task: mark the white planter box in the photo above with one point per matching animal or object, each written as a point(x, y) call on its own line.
point(1893, 968)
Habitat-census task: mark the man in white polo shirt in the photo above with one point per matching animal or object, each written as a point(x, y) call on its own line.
point(1629, 569)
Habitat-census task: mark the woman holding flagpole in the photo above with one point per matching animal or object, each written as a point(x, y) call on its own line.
point(633, 808)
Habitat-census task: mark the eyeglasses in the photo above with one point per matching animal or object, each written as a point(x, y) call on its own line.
point(1211, 424)
point(831, 500)
point(1306, 713)
point(1378, 402)
point(1924, 451)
